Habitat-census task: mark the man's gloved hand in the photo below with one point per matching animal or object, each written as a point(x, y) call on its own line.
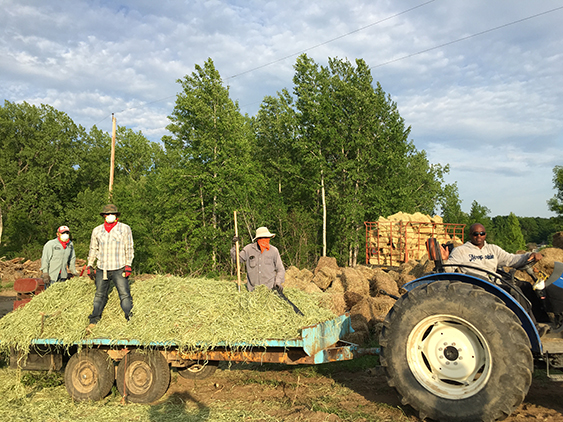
point(127, 271)
point(91, 272)
point(279, 288)
point(45, 277)
point(236, 239)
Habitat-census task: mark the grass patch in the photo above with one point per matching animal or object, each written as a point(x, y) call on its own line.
point(8, 285)
point(42, 379)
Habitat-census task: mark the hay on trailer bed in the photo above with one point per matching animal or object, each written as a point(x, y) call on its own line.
point(193, 313)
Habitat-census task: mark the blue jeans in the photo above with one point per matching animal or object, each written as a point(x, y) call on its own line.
point(102, 292)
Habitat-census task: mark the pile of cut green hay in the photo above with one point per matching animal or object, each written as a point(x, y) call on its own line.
point(192, 313)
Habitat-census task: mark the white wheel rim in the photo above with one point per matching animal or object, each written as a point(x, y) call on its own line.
point(449, 357)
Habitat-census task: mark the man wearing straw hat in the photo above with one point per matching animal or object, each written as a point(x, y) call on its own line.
point(111, 245)
point(263, 261)
point(57, 254)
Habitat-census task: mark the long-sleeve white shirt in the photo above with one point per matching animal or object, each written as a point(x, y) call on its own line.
point(489, 258)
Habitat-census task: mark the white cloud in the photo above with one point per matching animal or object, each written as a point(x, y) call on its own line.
point(488, 105)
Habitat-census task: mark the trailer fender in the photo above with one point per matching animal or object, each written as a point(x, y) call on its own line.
point(493, 289)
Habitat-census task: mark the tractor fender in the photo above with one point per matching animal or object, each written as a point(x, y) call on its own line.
point(493, 289)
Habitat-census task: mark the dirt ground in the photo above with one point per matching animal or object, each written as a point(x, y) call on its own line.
point(7, 298)
point(288, 395)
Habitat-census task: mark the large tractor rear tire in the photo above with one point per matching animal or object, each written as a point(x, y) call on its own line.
point(455, 352)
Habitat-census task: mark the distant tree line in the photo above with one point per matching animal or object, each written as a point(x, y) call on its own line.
point(312, 165)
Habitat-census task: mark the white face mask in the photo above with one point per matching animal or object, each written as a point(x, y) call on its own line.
point(64, 237)
point(110, 218)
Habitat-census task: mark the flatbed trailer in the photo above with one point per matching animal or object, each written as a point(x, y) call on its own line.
point(142, 371)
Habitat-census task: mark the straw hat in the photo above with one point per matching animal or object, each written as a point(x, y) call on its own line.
point(263, 232)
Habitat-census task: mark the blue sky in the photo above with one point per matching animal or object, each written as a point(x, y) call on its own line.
point(479, 82)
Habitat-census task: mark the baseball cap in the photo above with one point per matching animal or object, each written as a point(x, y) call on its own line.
point(63, 229)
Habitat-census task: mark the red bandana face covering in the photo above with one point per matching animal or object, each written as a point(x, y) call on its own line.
point(109, 226)
point(65, 244)
point(264, 244)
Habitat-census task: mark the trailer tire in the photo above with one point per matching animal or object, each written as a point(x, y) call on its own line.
point(199, 371)
point(89, 375)
point(455, 352)
point(143, 377)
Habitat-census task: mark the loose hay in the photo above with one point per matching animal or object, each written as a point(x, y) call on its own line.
point(194, 314)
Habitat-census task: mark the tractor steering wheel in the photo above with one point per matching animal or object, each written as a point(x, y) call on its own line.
point(527, 266)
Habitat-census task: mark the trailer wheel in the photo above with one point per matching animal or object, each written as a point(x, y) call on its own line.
point(455, 352)
point(143, 377)
point(199, 371)
point(89, 375)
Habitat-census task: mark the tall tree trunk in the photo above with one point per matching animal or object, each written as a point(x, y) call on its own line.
point(202, 205)
point(214, 216)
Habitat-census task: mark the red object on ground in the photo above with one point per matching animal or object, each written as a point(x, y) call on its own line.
point(20, 302)
point(26, 288)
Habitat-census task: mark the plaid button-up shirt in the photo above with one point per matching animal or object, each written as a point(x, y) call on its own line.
point(113, 250)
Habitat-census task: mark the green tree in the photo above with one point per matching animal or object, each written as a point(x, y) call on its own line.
point(39, 160)
point(555, 204)
point(530, 229)
point(355, 154)
point(450, 205)
point(289, 193)
point(508, 234)
point(209, 151)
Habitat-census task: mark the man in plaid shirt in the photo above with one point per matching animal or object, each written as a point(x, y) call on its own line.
point(112, 246)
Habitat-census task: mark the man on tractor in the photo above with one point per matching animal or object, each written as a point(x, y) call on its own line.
point(477, 254)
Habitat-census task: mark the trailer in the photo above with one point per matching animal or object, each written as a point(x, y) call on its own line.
point(142, 371)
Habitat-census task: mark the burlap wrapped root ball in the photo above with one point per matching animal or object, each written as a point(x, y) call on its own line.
point(367, 316)
point(383, 281)
point(545, 265)
point(326, 261)
point(299, 279)
point(324, 277)
point(354, 281)
point(422, 267)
